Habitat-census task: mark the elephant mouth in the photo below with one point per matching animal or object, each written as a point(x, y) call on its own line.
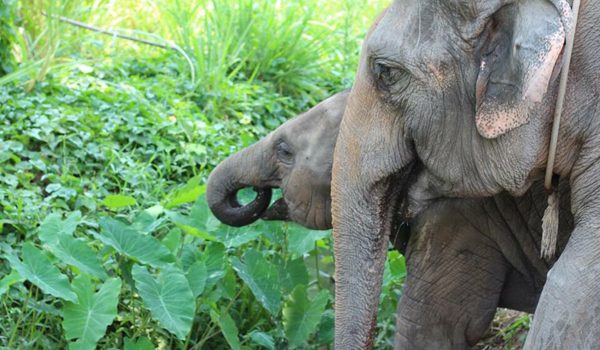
point(277, 211)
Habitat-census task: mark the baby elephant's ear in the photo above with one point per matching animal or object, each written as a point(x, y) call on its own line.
point(525, 42)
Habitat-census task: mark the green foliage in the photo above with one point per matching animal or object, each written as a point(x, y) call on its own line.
point(7, 35)
point(105, 147)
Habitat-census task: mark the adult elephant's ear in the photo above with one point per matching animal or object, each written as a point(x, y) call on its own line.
point(523, 45)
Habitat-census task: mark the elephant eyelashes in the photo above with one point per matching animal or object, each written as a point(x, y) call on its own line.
point(389, 77)
point(284, 152)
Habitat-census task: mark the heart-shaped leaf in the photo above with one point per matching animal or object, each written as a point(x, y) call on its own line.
point(301, 316)
point(54, 227)
point(262, 277)
point(168, 297)
point(39, 270)
point(76, 252)
point(87, 319)
point(126, 240)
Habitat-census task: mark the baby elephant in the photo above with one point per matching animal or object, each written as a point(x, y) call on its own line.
point(296, 157)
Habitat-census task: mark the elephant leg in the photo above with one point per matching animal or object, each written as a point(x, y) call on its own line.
point(568, 313)
point(455, 276)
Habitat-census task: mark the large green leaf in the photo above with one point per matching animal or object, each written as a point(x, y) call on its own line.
point(186, 194)
point(395, 269)
point(200, 223)
point(117, 201)
point(39, 270)
point(326, 328)
point(54, 227)
point(302, 241)
point(56, 234)
point(262, 277)
point(189, 225)
point(76, 252)
point(301, 316)
point(87, 319)
point(168, 297)
point(130, 242)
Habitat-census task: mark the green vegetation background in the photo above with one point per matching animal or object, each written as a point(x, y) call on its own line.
point(105, 144)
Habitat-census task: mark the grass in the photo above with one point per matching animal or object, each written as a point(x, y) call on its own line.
point(102, 136)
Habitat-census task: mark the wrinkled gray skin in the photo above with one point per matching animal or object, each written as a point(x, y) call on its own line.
point(467, 256)
point(296, 157)
point(466, 91)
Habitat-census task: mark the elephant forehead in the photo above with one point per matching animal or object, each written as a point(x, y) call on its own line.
point(416, 35)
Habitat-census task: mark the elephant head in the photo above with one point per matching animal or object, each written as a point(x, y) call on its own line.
point(297, 157)
point(463, 89)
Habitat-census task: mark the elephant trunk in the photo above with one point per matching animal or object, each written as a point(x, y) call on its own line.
point(370, 173)
point(361, 239)
point(241, 170)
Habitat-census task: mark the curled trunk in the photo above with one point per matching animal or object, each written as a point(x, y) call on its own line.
point(233, 174)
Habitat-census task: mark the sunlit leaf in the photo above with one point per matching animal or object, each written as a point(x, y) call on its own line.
point(214, 259)
point(186, 194)
point(292, 273)
point(76, 252)
point(118, 201)
point(172, 240)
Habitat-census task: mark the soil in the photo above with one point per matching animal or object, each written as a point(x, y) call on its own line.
point(504, 334)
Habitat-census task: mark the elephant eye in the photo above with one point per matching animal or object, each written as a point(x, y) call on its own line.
point(389, 77)
point(284, 152)
point(383, 74)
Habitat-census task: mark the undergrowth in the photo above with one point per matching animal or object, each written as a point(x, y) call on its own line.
point(105, 237)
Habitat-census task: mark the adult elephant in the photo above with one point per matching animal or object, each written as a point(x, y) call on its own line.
point(465, 257)
point(466, 90)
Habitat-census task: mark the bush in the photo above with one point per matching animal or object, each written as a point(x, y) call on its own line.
point(7, 35)
point(104, 149)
